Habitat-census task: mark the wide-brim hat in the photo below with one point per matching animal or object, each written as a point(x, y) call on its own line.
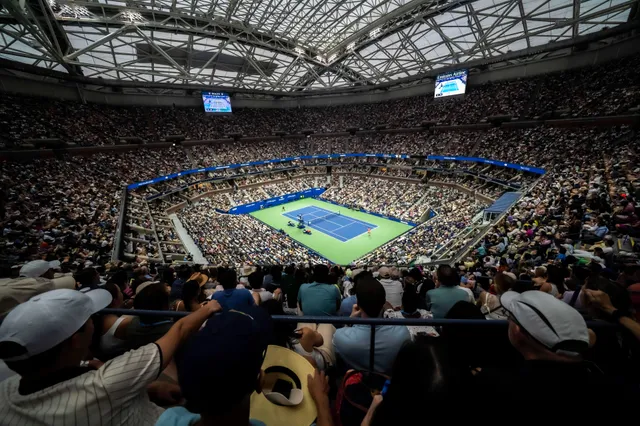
point(273, 408)
point(199, 277)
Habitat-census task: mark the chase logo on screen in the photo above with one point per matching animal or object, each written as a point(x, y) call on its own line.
point(452, 83)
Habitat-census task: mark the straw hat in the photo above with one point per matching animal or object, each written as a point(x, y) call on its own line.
point(200, 278)
point(273, 408)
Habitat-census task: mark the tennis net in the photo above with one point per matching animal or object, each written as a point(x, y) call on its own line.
point(321, 218)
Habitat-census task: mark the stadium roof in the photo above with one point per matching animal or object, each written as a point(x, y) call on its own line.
point(288, 45)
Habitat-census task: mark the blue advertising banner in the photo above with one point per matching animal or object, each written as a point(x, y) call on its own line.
point(487, 161)
point(260, 163)
point(330, 156)
point(270, 202)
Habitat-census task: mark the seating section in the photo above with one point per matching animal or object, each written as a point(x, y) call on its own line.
point(611, 88)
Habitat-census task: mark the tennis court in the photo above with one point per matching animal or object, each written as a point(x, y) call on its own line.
point(343, 228)
point(347, 229)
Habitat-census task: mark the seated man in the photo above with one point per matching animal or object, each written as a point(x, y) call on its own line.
point(352, 343)
point(320, 297)
point(552, 337)
point(45, 340)
point(232, 297)
point(447, 294)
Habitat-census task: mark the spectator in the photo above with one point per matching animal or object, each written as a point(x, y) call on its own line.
point(448, 292)
point(313, 341)
point(112, 329)
point(319, 298)
point(352, 343)
point(410, 303)
point(191, 298)
point(490, 303)
point(45, 339)
point(598, 299)
point(540, 280)
point(552, 337)
point(258, 293)
point(392, 288)
point(88, 278)
point(229, 350)
point(143, 330)
point(422, 372)
point(232, 297)
point(36, 277)
point(346, 306)
point(184, 273)
point(595, 232)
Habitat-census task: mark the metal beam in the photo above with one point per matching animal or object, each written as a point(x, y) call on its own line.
point(161, 51)
point(100, 42)
point(379, 23)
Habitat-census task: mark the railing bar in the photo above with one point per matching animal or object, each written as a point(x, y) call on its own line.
point(372, 348)
point(351, 321)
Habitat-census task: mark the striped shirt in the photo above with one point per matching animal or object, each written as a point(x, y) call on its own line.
point(115, 394)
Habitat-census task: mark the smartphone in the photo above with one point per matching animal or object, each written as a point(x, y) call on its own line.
point(282, 387)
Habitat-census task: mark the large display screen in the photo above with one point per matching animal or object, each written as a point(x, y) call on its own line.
point(451, 84)
point(216, 102)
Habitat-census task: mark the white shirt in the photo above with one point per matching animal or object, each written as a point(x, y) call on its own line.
point(115, 394)
point(264, 294)
point(393, 290)
point(414, 330)
point(472, 298)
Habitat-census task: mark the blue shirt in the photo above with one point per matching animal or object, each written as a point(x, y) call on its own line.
point(443, 298)
point(234, 298)
point(601, 231)
point(180, 416)
point(176, 289)
point(352, 345)
point(319, 299)
point(347, 306)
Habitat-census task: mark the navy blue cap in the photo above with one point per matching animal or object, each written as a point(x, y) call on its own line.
point(220, 365)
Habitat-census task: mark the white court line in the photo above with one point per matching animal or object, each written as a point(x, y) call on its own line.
point(338, 237)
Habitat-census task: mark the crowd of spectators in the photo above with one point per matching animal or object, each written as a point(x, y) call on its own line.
point(388, 197)
point(57, 345)
point(454, 212)
point(234, 239)
point(93, 124)
point(91, 186)
point(561, 255)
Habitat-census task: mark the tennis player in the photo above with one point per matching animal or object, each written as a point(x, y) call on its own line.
point(369, 231)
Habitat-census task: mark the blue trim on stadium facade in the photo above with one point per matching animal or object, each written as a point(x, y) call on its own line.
point(520, 167)
point(332, 156)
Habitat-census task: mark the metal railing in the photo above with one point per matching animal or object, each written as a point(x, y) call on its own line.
point(371, 322)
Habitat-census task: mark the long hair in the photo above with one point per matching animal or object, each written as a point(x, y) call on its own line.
point(422, 373)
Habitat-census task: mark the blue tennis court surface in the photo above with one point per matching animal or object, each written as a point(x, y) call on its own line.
point(340, 227)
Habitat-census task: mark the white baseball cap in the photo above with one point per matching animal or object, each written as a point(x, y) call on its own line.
point(551, 322)
point(37, 268)
point(50, 318)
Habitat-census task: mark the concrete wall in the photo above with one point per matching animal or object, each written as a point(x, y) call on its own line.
point(556, 61)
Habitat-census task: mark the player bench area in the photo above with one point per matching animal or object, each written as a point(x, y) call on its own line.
point(332, 223)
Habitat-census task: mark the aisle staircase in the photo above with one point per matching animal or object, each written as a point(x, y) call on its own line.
point(187, 151)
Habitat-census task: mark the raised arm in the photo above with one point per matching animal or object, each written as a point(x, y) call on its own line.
point(181, 330)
